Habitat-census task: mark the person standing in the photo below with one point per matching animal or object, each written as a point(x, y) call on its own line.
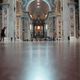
point(68, 38)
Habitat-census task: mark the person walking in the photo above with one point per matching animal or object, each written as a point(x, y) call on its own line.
point(3, 33)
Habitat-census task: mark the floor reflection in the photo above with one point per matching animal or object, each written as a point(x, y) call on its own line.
point(40, 61)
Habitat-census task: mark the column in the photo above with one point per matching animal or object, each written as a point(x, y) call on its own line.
point(26, 27)
point(12, 14)
point(9, 18)
point(49, 22)
point(72, 20)
point(66, 21)
point(18, 27)
point(5, 18)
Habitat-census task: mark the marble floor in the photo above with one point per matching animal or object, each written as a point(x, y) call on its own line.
point(40, 61)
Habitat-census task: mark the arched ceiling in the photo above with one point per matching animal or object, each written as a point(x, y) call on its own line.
point(50, 3)
point(38, 9)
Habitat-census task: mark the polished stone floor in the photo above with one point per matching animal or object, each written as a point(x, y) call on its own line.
point(40, 61)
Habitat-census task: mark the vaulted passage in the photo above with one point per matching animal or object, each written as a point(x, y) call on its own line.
point(42, 19)
point(38, 12)
point(39, 39)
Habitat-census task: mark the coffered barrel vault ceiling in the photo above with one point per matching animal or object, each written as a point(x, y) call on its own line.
point(38, 8)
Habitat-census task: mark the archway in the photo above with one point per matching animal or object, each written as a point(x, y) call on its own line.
point(38, 12)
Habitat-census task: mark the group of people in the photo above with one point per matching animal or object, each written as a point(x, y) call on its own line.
point(2, 34)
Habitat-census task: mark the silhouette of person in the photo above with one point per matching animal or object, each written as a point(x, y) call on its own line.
point(68, 38)
point(3, 33)
point(11, 39)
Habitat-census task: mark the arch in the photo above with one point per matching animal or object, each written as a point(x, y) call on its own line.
point(34, 0)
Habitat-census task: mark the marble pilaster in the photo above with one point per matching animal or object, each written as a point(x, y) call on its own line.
point(66, 20)
point(9, 18)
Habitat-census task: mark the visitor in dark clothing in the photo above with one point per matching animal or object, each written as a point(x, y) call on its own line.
point(3, 33)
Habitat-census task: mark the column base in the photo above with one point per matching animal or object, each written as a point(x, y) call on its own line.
point(6, 40)
point(18, 40)
point(73, 39)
